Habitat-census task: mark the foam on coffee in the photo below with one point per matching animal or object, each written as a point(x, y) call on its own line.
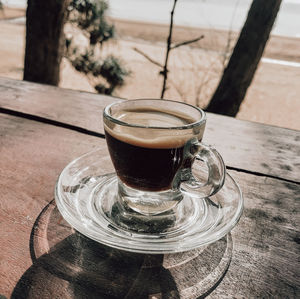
point(152, 138)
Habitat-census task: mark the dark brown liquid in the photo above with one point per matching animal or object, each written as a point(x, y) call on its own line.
point(149, 169)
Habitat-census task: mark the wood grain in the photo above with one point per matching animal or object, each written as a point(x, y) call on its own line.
point(248, 146)
point(77, 108)
point(268, 150)
point(32, 156)
point(265, 261)
point(265, 258)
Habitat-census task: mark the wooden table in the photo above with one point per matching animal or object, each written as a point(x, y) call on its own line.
point(43, 128)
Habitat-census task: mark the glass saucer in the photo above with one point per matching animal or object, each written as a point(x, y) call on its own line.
point(86, 196)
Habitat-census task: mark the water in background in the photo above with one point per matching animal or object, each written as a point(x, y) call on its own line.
point(215, 14)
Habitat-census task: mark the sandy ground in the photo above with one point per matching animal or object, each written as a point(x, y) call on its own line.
point(273, 97)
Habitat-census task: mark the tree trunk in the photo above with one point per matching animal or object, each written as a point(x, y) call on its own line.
point(44, 40)
point(246, 55)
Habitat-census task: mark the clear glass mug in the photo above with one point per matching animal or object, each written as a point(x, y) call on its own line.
point(154, 146)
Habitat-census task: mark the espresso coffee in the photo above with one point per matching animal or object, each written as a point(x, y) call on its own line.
point(149, 159)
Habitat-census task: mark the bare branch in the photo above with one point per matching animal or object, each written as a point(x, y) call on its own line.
point(187, 42)
point(148, 58)
point(169, 41)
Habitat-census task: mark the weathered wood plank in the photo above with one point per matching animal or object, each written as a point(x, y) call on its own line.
point(268, 150)
point(244, 145)
point(265, 261)
point(77, 108)
point(32, 156)
point(266, 241)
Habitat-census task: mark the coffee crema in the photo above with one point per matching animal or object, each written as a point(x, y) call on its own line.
point(149, 159)
point(159, 121)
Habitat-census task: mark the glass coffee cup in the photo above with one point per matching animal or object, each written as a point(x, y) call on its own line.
point(154, 146)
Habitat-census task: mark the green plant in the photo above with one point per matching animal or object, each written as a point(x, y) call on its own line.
point(105, 73)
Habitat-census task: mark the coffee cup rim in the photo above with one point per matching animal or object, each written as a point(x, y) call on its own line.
point(107, 115)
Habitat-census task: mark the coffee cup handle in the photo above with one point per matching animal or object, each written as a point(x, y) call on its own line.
point(191, 183)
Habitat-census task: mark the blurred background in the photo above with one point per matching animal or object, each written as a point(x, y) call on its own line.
point(134, 49)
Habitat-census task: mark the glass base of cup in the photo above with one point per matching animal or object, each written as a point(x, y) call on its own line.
point(148, 203)
point(146, 216)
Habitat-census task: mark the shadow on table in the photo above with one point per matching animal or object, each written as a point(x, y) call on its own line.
point(67, 264)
